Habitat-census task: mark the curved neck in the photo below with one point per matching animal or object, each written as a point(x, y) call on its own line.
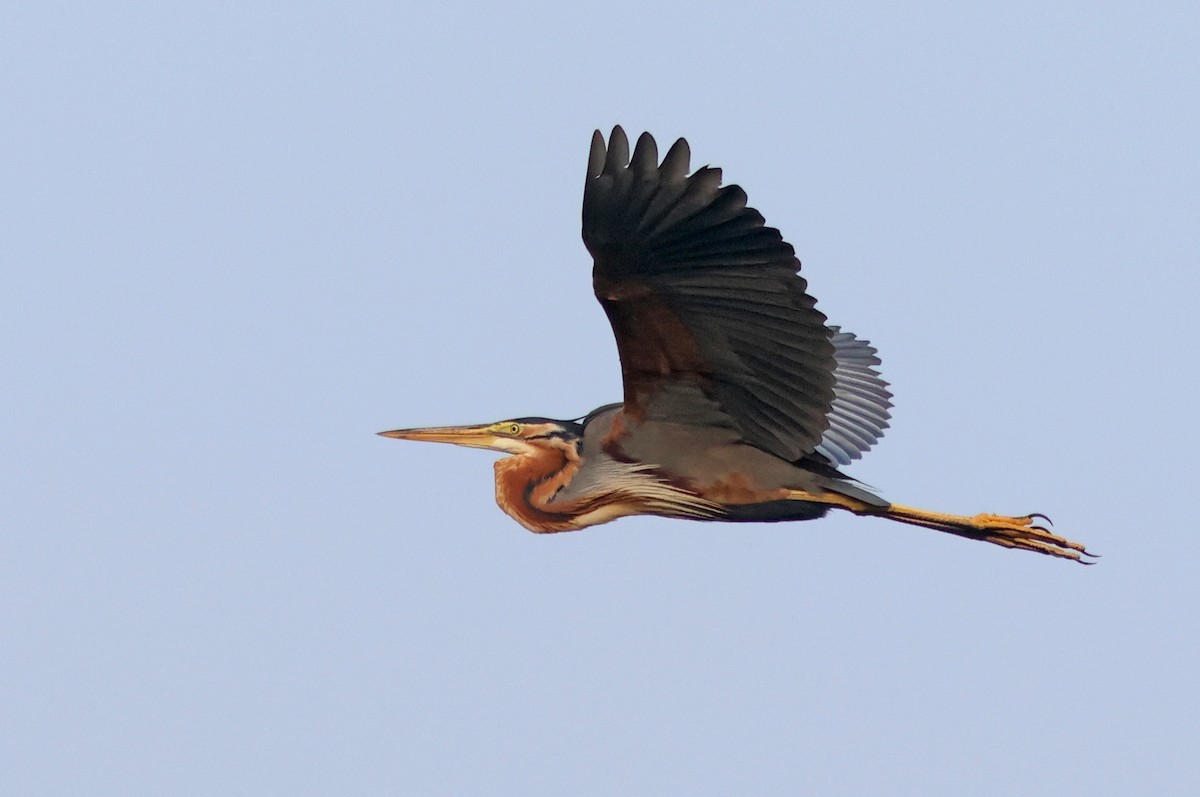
point(527, 483)
point(530, 489)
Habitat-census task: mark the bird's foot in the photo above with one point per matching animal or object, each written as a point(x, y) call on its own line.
point(1024, 533)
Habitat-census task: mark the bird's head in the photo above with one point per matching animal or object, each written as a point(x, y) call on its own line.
point(516, 436)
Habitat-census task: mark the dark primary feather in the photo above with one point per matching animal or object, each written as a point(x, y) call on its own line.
point(706, 303)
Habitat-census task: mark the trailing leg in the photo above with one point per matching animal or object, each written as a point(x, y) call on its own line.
point(1020, 532)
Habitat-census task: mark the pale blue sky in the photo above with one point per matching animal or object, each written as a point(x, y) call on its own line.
point(236, 240)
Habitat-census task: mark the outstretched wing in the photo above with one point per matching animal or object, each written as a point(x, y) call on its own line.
point(861, 401)
point(713, 323)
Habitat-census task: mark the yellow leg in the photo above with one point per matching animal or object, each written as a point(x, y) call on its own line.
point(1021, 533)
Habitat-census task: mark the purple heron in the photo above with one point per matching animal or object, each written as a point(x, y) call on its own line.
point(740, 401)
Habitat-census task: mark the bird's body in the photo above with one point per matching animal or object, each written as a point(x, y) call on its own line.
point(740, 402)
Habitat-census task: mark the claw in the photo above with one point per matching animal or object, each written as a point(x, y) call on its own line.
point(1032, 515)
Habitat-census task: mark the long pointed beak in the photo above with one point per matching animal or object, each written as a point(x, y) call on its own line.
point(472, 436)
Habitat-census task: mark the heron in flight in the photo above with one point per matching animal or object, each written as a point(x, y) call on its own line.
point(741, 403)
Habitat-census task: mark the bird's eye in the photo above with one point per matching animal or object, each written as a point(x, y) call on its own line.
point(513, 428)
